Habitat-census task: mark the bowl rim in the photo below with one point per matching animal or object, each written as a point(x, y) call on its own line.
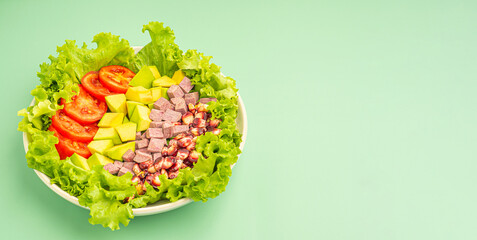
point(149, 209)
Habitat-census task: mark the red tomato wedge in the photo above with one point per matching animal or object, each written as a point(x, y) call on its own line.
point(71, 129)
point(84, 108)
point(91, 83)
point(66, 147)
point(116, 78)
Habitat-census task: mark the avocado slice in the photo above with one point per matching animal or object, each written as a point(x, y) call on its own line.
point(131, 105)
point(178, 76)
point(118, 151)
point(163, 81)
point(111, 120)
point(107, 133)
point(80, 161)
point(100, 146)
point(126, 120)
point(156, 93)
point(127, 131)
point(145, 76)
point(150, 105)
point(164, 93)
point(139, 94)
point(98, 159)
point(141, 117)
point(117, 103)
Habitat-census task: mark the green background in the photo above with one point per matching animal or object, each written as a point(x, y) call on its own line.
point(362, 117)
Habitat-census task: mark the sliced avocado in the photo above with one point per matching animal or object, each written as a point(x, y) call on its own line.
point(145, 76)
point(117, 103)
point(126, 120)
point(131, 105)
point(80, 161)
point(127, 131)
point(139, 94)
point(98, 159)
point(111, 120)
point(163, 81)
point(146, 98)
point(118, 151)
point(150, 105)
point(141, 117)
point(164, 93)
point(107, 133)
point(100, 146)
point(156, 93)
point(178, 76)
point(155, 72)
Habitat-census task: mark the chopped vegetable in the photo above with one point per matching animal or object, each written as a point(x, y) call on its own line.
point(116, 78)
point(84, 108)
point(91, 83)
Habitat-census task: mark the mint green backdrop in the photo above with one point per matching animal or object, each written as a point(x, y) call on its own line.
point(362, 117)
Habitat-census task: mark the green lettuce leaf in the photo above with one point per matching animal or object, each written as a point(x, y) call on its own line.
point(161, 52)
point(70, 177)
point(110, 51)
point(206, 76)
point(105, 197)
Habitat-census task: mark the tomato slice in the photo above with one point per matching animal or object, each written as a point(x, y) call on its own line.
point(71, 129)
point(66, 147)
point(91, 83)
point(84, 108)
point(116, 78)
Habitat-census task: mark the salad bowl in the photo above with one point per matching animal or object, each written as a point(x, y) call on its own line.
point(157, 207)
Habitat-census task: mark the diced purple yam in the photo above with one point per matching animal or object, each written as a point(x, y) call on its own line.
point(154, 133)
point(156, 115)
point(175, 92)
point(207, 100)
point(118, 164)
point(142, 143)
point(156, 144)
point(172, 116)
point(142, 157)
point(181, 107)
point(179, 129)
point(129, 156)
point(129, 165)
point(186, 85)
point(176, 101)
point(143, 150)
point(156, 124)
point(111, 168)
point(192, 97)
point(123, 171)
point(163, 104)
point(167, 130)
point(156, 156)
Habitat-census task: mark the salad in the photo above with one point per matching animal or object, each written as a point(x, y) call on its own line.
point(120, 130)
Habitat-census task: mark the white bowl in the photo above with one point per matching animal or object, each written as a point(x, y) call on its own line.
point(160, 206)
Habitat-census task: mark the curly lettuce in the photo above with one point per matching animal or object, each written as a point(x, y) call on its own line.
point(161, 52)
point(111, 198)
